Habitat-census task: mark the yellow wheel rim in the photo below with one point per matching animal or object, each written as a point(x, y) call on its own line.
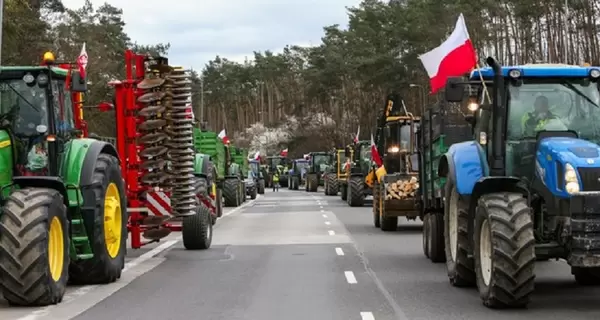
point(112, 220)
point(214, 189)
point(56, 249)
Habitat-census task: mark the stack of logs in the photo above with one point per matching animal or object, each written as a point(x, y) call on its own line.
point(402, 189)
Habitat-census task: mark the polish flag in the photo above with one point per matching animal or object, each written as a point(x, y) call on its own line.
point(374, 153)
point(223, 136)
point(357, 134)
point(257, 156)
point(453, 58)
point(306, 156)
point(284, 152)
point(82, 61)
point(347, 164)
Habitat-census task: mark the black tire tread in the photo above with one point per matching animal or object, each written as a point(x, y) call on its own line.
point(461, 273)
point(436, 238)
point(102, 269)
point(231, 193)
point(356, 191)
point(194, 230)
point(513, 246)
point(25, 279)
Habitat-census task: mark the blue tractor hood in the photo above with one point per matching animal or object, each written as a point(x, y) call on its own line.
point(577, 152)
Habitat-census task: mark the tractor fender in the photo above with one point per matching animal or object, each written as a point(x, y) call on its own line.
point(492, 184)
point(80, 162)
point(465, 164)
point(55, 183)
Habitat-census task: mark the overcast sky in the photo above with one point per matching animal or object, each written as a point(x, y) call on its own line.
point(198, 30)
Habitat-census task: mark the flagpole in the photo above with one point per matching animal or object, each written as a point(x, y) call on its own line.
point(485, 89)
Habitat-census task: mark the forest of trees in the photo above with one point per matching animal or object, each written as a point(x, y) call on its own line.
point(315, 97)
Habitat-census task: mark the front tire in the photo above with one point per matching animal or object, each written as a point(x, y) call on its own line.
point(231, 193)
point(355, 192)
point(106, 208)
point(34, 243)
point(504, 250)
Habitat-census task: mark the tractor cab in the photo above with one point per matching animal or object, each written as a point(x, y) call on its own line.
point(399, 147)
point(358, 155)
point(319, 161)
point(255, 168)
point(275, 162)
point(37, 113)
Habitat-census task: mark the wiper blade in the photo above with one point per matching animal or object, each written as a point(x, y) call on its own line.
point(572, 87)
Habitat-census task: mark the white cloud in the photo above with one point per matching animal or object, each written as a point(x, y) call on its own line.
point(199, 30)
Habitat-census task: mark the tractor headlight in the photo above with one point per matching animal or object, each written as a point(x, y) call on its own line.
point(595, 73)
point(393, 149)
point(571, 180)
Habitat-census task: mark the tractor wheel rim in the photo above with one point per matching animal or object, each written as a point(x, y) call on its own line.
point(485, 252)
point(112, 220)
point(56, 249)
point(453, 224)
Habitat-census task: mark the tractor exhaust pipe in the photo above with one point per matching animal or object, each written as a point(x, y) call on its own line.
point(499, 119)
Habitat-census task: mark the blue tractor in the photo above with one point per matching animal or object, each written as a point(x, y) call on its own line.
point(527, 186)
point(297, 174)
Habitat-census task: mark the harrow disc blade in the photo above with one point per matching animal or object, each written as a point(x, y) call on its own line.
point(150, 83)
point(153, 152)
point(152, 124)
point(177, 153)
point(152, 138)
point(182, 95)
point(151, 97)
point(180, 171)
point(153, 164)
point(182, 138)
point(184, 121)
point(182, 89)
point(152, 111)
point(182, 82)
point(183, 177)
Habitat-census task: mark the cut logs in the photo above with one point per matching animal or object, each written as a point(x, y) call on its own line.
point(402, 189)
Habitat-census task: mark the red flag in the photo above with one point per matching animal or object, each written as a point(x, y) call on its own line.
point(374, 153)
point(284, 152)
point(223, 136)
point(82, 61)
point(453, 58)
point(357, 134)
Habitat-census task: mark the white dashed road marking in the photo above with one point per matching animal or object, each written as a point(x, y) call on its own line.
point(331, 233)
point(339, 251)
point(327, 222)
point(350, 277)
point(367, 316)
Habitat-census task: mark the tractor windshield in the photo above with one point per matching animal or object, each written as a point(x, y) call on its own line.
point(23, 106)
point(321, 161)
point(300, 165)
point(255, 167)
point(562, 104)
point(365, 152)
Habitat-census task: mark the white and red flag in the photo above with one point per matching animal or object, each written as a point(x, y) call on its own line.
point(82, 61)
point(223, 136)
point(374, 153)
point(284, 152)
point(357, 134)
point(453, 58)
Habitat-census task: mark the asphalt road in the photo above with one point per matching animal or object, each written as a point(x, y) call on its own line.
point(297, 255)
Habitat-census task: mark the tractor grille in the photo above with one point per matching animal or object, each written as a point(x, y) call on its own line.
point(590, 179)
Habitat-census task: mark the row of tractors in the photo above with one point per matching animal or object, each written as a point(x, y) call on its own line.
point(70, 202)
point(494, 197)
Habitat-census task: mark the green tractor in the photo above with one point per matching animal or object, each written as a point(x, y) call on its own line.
point(64, 208)
point(260, 174)
point(240, 157)
point(330, 177)
point(230, 182)
point(355, 189)
point(317, 165)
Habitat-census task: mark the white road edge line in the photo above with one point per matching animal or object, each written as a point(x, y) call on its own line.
point(331, 233)
point(324, 215)
point(327, 222)
point(350, 277)
point(339, 251)
point(129, 265)
point(322, 210)
point(367, 316)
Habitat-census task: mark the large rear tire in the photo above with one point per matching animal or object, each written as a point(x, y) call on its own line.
point(34, 244)
point(231, 193)
point(196, 230)
point(312, 181)
point(504, 250)
point(261, 186)
point(460, 265)
point(105, 214)
point(356, 197)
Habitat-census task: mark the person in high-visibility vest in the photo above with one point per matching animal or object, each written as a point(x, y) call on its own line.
point(532, 122)
point(276, 181)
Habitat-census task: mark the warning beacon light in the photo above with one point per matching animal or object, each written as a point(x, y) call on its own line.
point(48, 57)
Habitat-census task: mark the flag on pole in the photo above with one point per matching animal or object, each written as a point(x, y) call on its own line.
point(453, 58)
point(82, 61)
point(284, 152)
point(357, 134)
point(374, 153)
point(223, 136)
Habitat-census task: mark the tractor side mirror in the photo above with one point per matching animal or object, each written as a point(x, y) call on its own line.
point(455, 90)
point(78, 83)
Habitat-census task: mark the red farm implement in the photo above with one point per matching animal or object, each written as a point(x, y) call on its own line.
point(170, 187)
